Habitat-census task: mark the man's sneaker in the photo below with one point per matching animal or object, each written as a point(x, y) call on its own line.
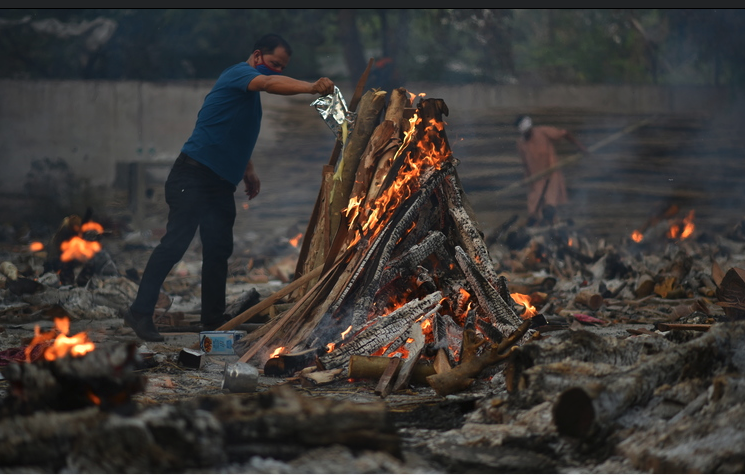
point(143, 326)
point(215, 323)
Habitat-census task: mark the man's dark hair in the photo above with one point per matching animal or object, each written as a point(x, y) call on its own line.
point(268, 43)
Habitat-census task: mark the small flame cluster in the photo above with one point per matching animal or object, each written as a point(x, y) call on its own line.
point(524, 300)
point(57, 343)
point(78, 248)
point(680, 229)
point(296, 240)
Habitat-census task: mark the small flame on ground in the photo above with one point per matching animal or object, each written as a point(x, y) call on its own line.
point(36, 246)
point(682, 230)
point(296, 240)
point(244, 206)
point(80, 249)
point(330, 347)
point(637, 236)
point(62, 345)
point(524, 300)
point(277, 352)
point(91, 226)
point(346, 332)
point(94, 398)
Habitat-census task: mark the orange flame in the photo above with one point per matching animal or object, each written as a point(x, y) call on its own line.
point(296, 240)
point(36, 246)
point(427, 154)
point(94, 398)
point(330, 347)
point(524, 300)
point(81, 249)
point(682, 230)
point(637, 236)
point(91, 226)
point(62, 345)
point(277, 352)
point(346, 332)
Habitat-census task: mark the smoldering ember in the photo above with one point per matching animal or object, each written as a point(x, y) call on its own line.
point(392, 335)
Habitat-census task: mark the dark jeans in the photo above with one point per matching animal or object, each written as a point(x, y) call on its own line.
point(197, 198)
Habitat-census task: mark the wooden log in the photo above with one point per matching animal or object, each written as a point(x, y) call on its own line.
point(383, 139)
point(644, 286)
point(382, 168)
point(469, 235)
point(580, 345)
point(385, 384)
point(399, 100)
point(701, 327)
point(492, 304)
point(584, 410)
point(287, 364)
point(297, 420)
point(731, 293)
point(371, 105)
point(415, 348)
point(589, 299)
point(314, 378)
point(382, 331)
point(442, 362)
point(472, 363)
point(372, 367)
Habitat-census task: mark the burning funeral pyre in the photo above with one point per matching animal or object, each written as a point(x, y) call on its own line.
point(406, 274)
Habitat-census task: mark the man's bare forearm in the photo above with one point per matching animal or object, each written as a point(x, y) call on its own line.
point(287, 86)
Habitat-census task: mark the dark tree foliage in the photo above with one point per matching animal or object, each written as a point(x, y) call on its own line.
point(497, 46)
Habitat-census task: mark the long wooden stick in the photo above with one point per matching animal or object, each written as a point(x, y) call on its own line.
point(269, 301)
point(571, 159)
point(265, 339)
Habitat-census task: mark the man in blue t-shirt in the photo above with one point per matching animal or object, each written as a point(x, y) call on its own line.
point(201, 185)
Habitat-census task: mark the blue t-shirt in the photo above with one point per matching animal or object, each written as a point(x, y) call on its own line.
point(228, 124)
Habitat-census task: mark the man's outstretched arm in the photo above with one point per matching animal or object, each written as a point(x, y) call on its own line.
point(287, 86)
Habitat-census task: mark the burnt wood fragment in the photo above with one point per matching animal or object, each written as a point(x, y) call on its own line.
point(380, 332)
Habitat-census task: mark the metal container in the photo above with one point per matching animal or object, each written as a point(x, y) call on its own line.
point(240, 378)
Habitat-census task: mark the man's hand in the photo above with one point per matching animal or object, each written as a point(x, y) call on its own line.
point(323, 86)
point(251, 181)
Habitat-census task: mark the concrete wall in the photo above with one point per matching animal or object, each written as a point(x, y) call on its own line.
point(93, 125)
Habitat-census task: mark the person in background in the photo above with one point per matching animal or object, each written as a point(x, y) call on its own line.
point(536, 148)
point(202, 182)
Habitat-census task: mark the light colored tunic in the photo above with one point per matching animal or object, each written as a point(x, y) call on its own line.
point(538, 153)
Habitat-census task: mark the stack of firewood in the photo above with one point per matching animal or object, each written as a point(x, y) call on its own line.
point(393, 263)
